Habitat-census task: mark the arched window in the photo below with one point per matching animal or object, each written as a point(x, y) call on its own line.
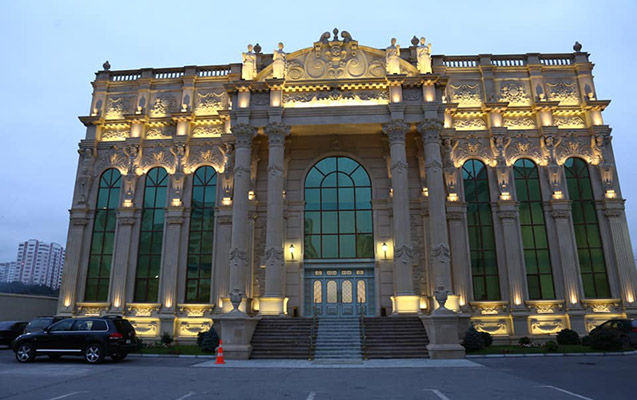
point(101, 255)
point(539, 274)
point(151, 236)
point(202, 222)
point(338, 210)
point(484, 264)
point(589, 243)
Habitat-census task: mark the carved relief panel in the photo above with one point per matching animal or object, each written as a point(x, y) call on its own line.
point(118, 106)
point(466, 94)
point(209, 102)
point(515, 92)
point(564, 91)
point(163, 104)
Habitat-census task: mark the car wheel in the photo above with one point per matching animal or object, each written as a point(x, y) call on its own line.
point(25, 352)
point(94, 353)
point(55, 357)
point(118, 357)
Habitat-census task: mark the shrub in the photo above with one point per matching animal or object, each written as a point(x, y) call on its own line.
point(166, 339)
point(473, 340)
point(604, 340)
point(586, 341)
point(550, 346)
point(208, 341)
point(568, 336)
point(487, 338)
point(524, 341)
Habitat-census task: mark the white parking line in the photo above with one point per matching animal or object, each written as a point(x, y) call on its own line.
point(66, 395)
point(579, 396)
point(311, 396)
point(438, 393)
point(186, 395)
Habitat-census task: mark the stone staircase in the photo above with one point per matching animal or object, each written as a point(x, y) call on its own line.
point(395, 337)
point(282, 338)
point(338, 339)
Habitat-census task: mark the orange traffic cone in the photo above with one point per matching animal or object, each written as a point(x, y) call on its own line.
point(220, 354)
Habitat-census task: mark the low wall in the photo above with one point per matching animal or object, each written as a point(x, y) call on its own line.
point(24, 307)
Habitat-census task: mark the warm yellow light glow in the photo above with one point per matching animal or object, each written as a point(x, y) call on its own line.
point(557, 195)
point(496, 119)
point(275, 98)
point(251, 195)
point(505, 196)
point(630, 298)
point(462, 301)
point(169, 302)
point(226, 201)
point(448, 120)
point(452, 197)
point(517, 300)
point(176, 202)
point(547, 325)
point(596, 117)
point(292, 251)
point(136, 130)
point(270, 305)
point(128, 203)
point(384, 247)
point(396, 93)
point(429, 92)
point(423, 303)
point(546, 118)
point(67, 300)
point(406, 304)
point(573, 298)
point(391, 192)
point(182, 128)
point(425, 192)
point(117, 302)
point(244, 99)
point(610, 194)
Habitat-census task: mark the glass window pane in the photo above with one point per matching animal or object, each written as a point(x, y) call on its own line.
point(329, 199)
point(330, 246)
point(363, 221)
point(313, 179)
point(312, 222)
point(346, 222)
point(365, 246)
point(346, 198)
point(312, 199)
point(329, 222)
point(347, 246)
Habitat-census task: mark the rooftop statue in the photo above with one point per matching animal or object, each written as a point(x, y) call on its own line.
point(249, 70)
point(392, 58)
point(279, 63)
point(424, 57)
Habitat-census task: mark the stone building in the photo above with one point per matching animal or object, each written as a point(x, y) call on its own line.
point(340, 180)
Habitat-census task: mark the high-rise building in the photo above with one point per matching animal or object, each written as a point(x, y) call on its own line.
point(8, 271)
point(39, 263)
point(343, 180)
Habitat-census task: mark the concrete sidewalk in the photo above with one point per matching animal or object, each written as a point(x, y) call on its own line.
point(331, 364)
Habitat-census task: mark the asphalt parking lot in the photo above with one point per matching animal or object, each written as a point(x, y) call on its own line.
point(561, 378)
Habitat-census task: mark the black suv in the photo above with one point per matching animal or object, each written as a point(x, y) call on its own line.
point(91, 338)
point(39, 323)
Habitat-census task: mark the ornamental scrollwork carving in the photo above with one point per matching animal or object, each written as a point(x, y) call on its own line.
point(396, 130)
point(602, 157)
point(115, 134)
point(472, 147)
point(465, 94)
point(440, 254)
point(404, 254)
point(243, 134)
point(273, 256)
point(157, 133)
point(209, 103)
point(523, 147)
point(86, 173)
point(573, 122)
point(318, 98)
point(207, 154)
point(430, 129)
point(469, 124)
point(163, 105)
point(340, 59)
point(574, 146)
point(412, 94)
point(112, 158)
point(276, 133)
point(157, 156)
point(450, 171)
point(560, 214)
point(207, 131)
point(399, 167)
point(519, 123)
point(564, 91)
point(117, 107)
point(514, 93)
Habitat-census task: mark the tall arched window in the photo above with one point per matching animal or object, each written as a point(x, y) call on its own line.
point(101, 255)
point(338, 210)
point(484, 264)
point(202, 222)
point(589, 243)
point(151, 236)
point(539, 274)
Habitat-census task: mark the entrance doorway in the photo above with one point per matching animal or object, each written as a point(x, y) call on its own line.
point(341, 291)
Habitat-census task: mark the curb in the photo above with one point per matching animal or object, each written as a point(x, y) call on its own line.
point(616, 353)
point(142, 355)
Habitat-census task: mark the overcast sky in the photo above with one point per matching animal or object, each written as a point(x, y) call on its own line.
point(51, 50)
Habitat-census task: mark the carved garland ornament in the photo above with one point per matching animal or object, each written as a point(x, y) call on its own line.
point(472, 124)
point(514, 94)
point(519, 123)
point(466, 95)
point(328, 97)
point(116, 107)
point(208, 103)
point(208, 154)
point(564, 92)
point(207, 131)
point(472, 147)
point(163, 105)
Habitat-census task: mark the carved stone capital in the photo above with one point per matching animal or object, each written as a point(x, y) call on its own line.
point(430, 129)
point(613, 213)
point(243, 134)
point(275, 170)
point(174, 220)
point(396, 130)
point(560, 214)
point(276, 132)
point(79, 221)
point(454, 215)
point(507, 215)
point(433, 166)
point(399, 167)
point(126, 220)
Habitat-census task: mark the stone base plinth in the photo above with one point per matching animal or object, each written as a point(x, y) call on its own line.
point(272, 305)
point(442, 330)
point(166, 324)
point(406, 304)
point(235, 331)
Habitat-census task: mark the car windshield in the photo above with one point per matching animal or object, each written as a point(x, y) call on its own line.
point(6, 324)
point(39, 323)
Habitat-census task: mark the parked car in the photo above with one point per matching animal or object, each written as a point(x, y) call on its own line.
point(10, 330)
point(38, 324)
point(624, 329)
point(91, 338)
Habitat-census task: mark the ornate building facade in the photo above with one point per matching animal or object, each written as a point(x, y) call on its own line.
point(341, 180)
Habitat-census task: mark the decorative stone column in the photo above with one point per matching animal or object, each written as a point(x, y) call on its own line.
point(622, 250)
point(440, 256)
point(405, 300)
point(569, 262)
point(169, 267)
point(121, 256)
point(243, 134)
point(75, 243)
point(461, 263)
point(273, 300)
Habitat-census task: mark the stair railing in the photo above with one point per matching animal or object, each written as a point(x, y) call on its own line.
point(361, 315)
point(312, 338)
